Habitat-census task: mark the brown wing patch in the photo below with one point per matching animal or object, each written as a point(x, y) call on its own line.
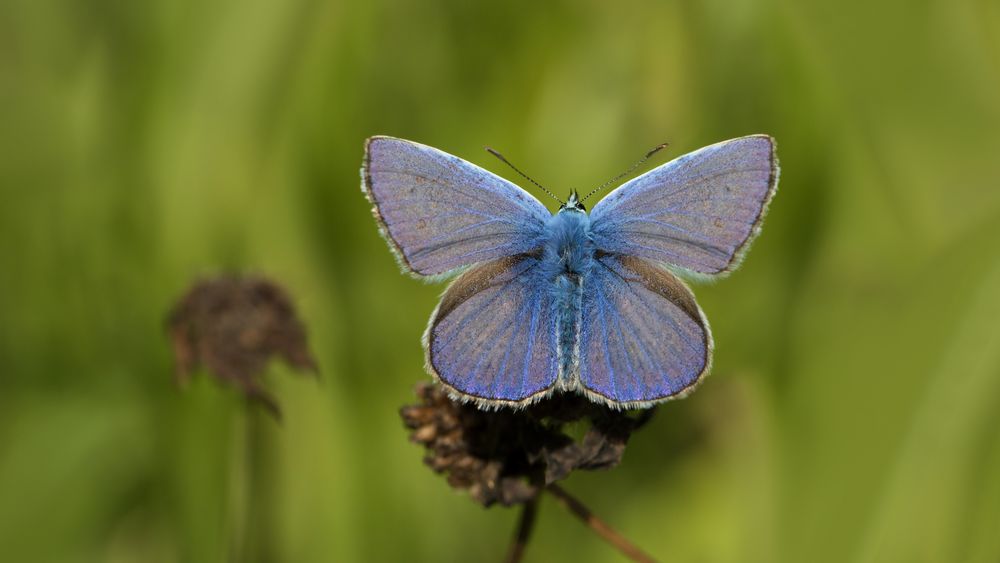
point(474, 281)
point(662, 282)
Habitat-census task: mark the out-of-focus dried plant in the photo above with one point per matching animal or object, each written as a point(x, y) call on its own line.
point(232, 326)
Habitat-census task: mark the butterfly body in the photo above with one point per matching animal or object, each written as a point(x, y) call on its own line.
point(565, 265)
point(569, 302)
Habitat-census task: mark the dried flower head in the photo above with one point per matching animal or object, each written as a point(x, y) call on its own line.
point(232, 326)
point(508, 456)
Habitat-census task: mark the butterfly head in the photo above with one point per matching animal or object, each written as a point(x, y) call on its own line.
point(573, 203)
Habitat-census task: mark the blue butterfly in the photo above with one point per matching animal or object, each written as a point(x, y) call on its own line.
point(569, 302)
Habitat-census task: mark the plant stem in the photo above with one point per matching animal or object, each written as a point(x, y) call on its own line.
point(249, 498)
point(240, 487)
point(524, 526)
point(598, 525)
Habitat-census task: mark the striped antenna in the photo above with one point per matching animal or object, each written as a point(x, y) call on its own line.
point(526, 177)
point(641, 161)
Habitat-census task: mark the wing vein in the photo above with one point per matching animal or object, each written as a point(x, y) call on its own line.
point(531, 342)
point(682, 186)
point(621, 340)
point(457, 188)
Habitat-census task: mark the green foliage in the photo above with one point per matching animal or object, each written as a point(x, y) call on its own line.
point(854, 411)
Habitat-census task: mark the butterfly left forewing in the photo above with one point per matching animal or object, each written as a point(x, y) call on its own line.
point(492, 339)
point(643, 339)
point(440, 213)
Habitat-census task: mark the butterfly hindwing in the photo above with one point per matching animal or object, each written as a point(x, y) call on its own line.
point(441, 213)
point(492, 338)
point(698, 212)
point(643, 337)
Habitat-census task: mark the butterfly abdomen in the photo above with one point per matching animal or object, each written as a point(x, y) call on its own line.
point(566, 262)
point(567, 302)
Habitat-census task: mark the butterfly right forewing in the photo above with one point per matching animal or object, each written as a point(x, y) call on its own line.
point(698, 212)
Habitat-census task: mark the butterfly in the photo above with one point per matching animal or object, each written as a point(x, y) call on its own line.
point(569, 302)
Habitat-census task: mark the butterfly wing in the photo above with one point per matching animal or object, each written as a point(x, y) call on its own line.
point(643, 338)
point(492, 339)
point(440, 213)
point(698, 212)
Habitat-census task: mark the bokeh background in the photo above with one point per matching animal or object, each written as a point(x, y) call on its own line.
point(854, 411)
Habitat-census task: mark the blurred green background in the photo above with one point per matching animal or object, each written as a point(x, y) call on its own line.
point(854, 411)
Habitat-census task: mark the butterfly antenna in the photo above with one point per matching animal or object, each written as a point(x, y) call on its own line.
point(631, 169)
point(526, 177)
